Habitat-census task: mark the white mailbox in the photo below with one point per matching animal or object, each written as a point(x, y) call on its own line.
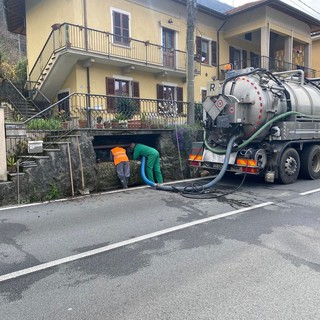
point(35, 146)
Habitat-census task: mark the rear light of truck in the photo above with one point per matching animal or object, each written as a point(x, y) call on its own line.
point(193, 157)
point(248, 165)
point(246, 162)
point(195, 160)
point(250, 170)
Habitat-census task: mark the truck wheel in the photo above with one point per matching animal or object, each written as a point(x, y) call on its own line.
point(310, 162)
point(289, 166)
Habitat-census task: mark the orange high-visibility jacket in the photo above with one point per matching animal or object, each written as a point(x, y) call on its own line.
point(119, 155)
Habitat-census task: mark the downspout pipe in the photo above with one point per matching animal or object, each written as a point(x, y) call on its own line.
point(195, 188)
point(85, 21)
point(88, 106)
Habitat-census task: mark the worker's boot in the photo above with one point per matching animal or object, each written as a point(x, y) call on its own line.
point(127, 181)
point(124, 183)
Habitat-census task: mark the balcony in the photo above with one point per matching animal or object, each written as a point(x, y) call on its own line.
point(70, 43)
point(271, 64)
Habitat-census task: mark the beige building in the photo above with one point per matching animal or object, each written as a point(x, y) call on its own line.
point(91, 52)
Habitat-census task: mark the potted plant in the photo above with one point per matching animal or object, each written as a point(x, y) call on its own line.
point(145, 123)
point(56, 26)
point(82, 123)
point(114, 123)
point(107, 124)
point(62, 116)
point(119, 121)
point(134, 124)
point(11, 164)
point(99, 123)
point(126, 107)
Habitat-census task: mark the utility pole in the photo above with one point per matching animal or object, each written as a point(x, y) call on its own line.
point(191, 9)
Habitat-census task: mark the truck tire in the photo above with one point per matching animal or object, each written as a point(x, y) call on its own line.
point(310, 162)
point(289, 166)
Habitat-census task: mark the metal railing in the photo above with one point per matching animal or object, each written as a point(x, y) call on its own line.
point(17, 95)
point(100, 111)
point(271, 64)
point(79, 110)
point(135, 51)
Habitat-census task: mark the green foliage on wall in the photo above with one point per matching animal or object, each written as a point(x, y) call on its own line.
point(44, 124)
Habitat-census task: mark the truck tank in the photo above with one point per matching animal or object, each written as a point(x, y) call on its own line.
point(250, 100)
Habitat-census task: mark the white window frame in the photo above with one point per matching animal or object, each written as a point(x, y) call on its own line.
point(208, 40)
point(112, 10)
point(124, 78)
point(173, 85)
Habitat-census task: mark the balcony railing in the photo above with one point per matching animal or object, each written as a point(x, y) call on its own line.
point(95, 109)
point(104, 112)
point(111, 46)
point(271, 64)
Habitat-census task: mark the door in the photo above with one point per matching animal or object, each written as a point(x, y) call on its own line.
point(65, 104)
point(235, 58)
point(168, 44)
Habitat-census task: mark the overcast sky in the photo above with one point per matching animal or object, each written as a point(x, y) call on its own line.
point(310, 6)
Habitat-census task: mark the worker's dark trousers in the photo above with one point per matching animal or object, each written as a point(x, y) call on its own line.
point(123, 172)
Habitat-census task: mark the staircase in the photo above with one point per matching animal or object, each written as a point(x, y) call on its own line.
point(24, 107)
point(50, 144)
point(44, 73)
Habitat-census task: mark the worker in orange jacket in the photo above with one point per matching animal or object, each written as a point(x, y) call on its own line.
point(122, 164)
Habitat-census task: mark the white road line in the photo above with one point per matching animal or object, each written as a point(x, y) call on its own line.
point(309, 192)
point(82, 255)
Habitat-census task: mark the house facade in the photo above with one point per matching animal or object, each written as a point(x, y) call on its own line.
point(87, 54)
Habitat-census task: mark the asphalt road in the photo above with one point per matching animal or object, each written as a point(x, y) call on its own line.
point(248, 253)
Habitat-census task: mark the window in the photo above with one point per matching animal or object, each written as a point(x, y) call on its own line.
point(203, 95)
point(244, 59)
point(168, 42)
point(255, 60)
point(235, 58)
point(248, 36)
point(213, 53)
point(202, 49)
point(119, 87)
point(171, 96)
point(121, 28)
point(239, 58)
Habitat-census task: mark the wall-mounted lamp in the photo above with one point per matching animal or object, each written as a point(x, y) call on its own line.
point(87, 63)
point(170, 21)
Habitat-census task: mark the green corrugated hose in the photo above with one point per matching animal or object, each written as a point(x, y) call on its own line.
point(245, 143)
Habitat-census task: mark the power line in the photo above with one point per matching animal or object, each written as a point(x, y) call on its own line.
point(306, 5)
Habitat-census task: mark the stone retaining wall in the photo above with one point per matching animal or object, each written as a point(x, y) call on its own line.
point(56, 177)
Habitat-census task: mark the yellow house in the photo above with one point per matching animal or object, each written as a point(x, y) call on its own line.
point(86, 54)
